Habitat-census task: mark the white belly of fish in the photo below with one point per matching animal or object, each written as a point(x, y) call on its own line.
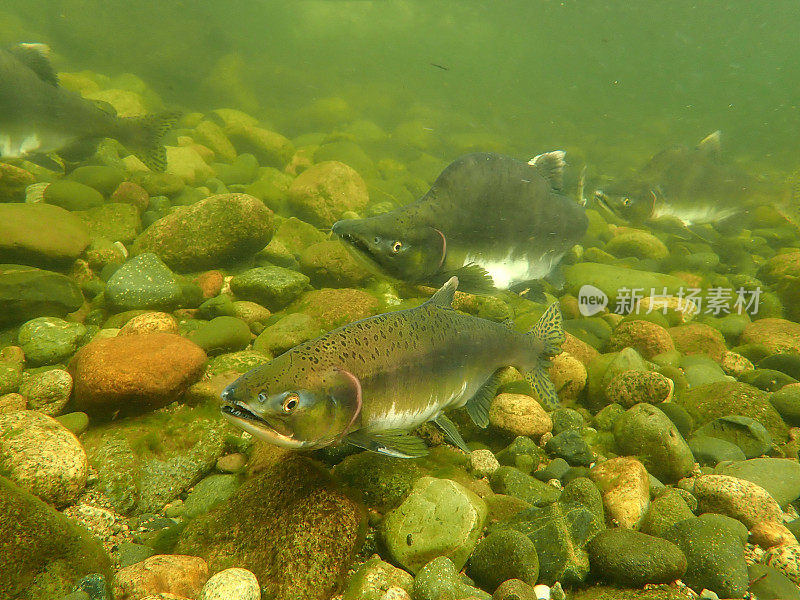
point(511, 269)
point(394, 418)
point(22, 144)
point(704, 213)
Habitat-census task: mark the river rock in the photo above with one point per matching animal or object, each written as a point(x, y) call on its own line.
point(743, 500)
point(134, 373)
point(625, 486)
point(439, 517)
point(27, 292)
point(41, 455)
point(48, 391)
point(217, 230)
point(40, 235)
point(161, 574)
point(519, 414)
point(324, 192)
point(778, 476)
point(634, 559)
point(231, 584)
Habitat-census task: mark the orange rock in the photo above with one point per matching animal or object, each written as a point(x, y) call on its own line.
point(210, 282)
point(699, 338)
point(131, 193)
point(625, 487)
point(579, 349)
point(175, 574)
point(134, 373)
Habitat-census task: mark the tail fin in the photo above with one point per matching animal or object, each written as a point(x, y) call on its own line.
point(145, 138)
point(549, 331)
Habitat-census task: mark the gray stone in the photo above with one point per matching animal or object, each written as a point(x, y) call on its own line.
point(273, 287)
point(439, 579)
point(209, 492)
point(144, 282)
point(502, 555)
point(708, 451)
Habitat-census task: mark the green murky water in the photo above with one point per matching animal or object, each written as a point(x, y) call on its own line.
point(130, 299)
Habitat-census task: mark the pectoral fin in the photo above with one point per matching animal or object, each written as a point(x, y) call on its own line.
point(478, 405)
point(472, 278)
point(451, 431)
point(392, 442)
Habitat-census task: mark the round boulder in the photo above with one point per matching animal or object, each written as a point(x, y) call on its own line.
point(633, 559)
point(134, 373)
point(41, 235)
point(324, 192)
point(44, 457)
point(214, 231)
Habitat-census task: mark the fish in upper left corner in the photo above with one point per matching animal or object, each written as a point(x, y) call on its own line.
point(38, 117)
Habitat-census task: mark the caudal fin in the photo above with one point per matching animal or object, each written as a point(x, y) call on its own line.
point(145, 138)
point(550, 332)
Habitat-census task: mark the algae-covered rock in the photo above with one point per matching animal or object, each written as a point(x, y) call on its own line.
point(777, 335)
point(273, 287)
point(143, 282)
point(748, 434)
point(330, 264)
point(613, 280)
point(113, 221)
point(646, 432)
point(503, 555)
point(217, 230)
point(633, 559)
point(374, 579)
point(72, 195)
point(44, 553)
point(13, 181)
point(779, 476)
point(720, 399)
point(48, 391)
point(40, 235)
point(335, 307)
point(560, 531)
point(49, 340)
point(222, 334)
point(770, 584)
point(103, 178)
point(289, 525)
point(513, 482)
point(649, 339)
point(383, 481)
point(625, 487)
point(714, 549)
point(699, 338)
point(325, 191)
point(439, 579)
point(439, 517)
point(291, 330)
point(737, 498)
point(12, 364)
point(667, 509)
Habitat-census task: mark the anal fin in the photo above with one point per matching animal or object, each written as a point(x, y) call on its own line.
point(451, 431)
point(391, 442)
point(539, 378)
point(478, 405)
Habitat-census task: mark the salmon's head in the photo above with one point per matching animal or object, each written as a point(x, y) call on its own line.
point(634, 204)
point(410, 253)
point(312, 412)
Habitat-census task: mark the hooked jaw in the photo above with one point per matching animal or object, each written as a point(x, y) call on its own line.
point(241, 415)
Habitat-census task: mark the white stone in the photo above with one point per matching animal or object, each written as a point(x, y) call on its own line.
point(231, 584)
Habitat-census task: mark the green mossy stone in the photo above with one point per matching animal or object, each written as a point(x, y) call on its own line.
point(113, 221)
point(785, 363)
point(77, 422)
point(513, 482)
point(770, 584)
point(72, 195)
point(374, 578)
point(382, 481)
point(647, 433)
point(102, 178)
point(768, 380)
point(599, 592)
point(714, 400)
point(12, 364)
point(144, 282)
point(273, 287)
point(130, 553)
point(710, 451)
point(633, 559)
point(44, 553)
point(611, 279)
point(638, 244)
point(222, 334)
point(440, 579)
point(748, 434)
point(41, 235)
point(349, 153)
point(667, 509)
point(242, 170)
point(237, 362)
point(680, 418)
point(13, 181)
point(336, 307)
point(570, 446)
point(714, 548)
point(330, 264)
point(779, 476)
point(787, 402)
point(295, 530)
point(442, 518)
point(560, 532)
point(288, 332)
point(49, 340)
point(565, 419)
point(521, 448)
point(208, 492)
point(503, 555)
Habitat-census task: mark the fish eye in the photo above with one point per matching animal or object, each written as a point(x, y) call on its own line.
point(290, 403)
point(626, 201)
point(396, 246)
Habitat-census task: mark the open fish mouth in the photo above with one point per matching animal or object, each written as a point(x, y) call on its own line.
point(241, 411)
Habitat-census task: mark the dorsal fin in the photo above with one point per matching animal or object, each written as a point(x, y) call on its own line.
point(711, 144)
point(445, 294)
point(551, 166)
point(37, 58)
